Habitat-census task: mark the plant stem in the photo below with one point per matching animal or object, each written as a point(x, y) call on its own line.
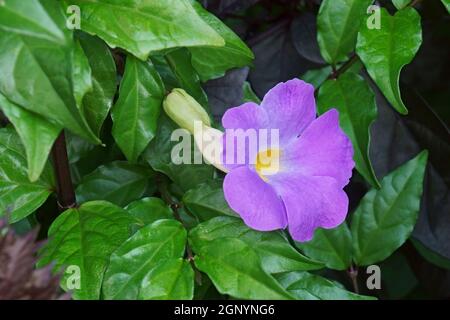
point(336, 73)
point(66, 193)
point(412, 4)
point(353, 275)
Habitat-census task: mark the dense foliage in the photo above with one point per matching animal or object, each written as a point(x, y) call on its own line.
point(85, 148)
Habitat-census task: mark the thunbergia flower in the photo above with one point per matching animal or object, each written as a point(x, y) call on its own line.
point(312, 164)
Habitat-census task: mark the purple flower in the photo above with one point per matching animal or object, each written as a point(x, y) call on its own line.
point(312, 164)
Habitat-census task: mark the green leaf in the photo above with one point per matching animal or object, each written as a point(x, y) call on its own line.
point(307, 286)
point(333, 247)
point(400, 4)
point(385, 51)
point(18, 196)
point(152, 254)
point(235, 269)
point(81, 74)
point(158, 155)
point(338, 23)
point(207, 201)
point(385, 218)
point(180, 63)
point(118, 182)
point(249, 94)
point(355, 101)
point(317, 77)
point(136, 113)
point(148, 210)
point(98, 102)
point(172, 279)
point(274, 250)
point(446, 3)
point(85, 238)
point(36, 62)
point(146, 26)
point(431, 256)
point(212, 62)
point(36, 133)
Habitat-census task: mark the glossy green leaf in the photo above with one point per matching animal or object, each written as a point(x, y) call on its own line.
point(180, 63)
point(275, 251)
point(83, 239)
point(36, 62)
point(146, 26)
point(307, 286)
point(172, 279)
point(355, 101)
point(81, 74)
point(400, 4)
point(152, 254)
point(18, 196)
point(136, 112)
point(387, 50)
point(385, 218)
point(338, 23)
point(333, 247)
point(36, 133)
point(158, 155)
point(148, 210)
point(118, 182)
point(235, 269)
point(97, 103)
point(212, 62)
point(207, 201)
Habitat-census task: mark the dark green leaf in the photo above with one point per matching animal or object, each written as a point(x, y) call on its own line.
point(85, 238)
point(118, 182)
point(148, 210)
point(136, 113)
point(152, 254)
point(18, 196)
point(355, 101)
point(317, 76)
point(98, 102)
point(158, 155)
point(385, 51)
point(81, 74)
point(307, 286)
point(146, 26)
point(333, 247)
point(275, 251)
point(212, 62)
point(385, 218)
point(36, 133)
point(338, 23)
point(235, 269)
point(207, 201)
point(180, 62)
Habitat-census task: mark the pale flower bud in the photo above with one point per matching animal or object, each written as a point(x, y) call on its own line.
point(184, 110)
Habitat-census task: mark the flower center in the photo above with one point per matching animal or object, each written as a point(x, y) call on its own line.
point(268, 163)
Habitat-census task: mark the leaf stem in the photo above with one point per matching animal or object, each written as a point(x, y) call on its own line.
point(336, 73)
point(353, 275)
point(66, 193)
